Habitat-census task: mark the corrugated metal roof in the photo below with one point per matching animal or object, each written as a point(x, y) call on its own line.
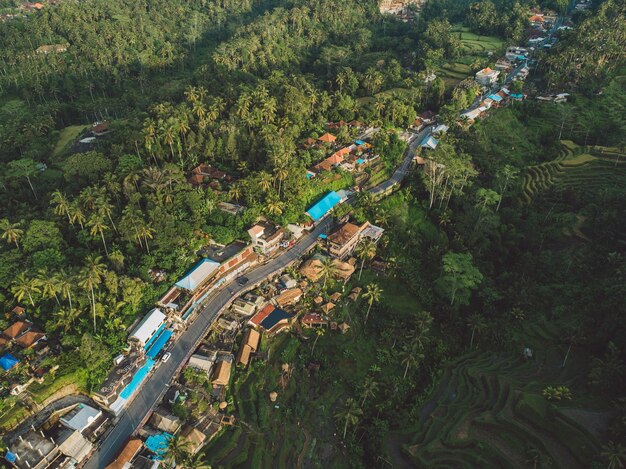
point(148, 326)
point(198, 274)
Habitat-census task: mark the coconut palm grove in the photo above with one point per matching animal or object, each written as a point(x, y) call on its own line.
point(313, 234)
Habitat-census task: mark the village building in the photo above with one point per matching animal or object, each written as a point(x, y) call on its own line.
point(266, 238)
point(81, 418)
point(221, 374)
point(327, 138)
point(148, 328)
point(202, 361)
point(194, 439)
point(313, 320)
point(323, 206)
point(312, 269)
point(487, 76)
point(288, 297)
point(163, 420)
point(230, 208)
point(342, 242)
point(119, 377)
point(128, 453)
point(271, 319)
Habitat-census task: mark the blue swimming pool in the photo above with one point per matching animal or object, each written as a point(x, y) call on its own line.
point(158, 344)
point(360, 161)
point(140, 375)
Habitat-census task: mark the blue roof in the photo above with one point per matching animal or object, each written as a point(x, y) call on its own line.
point(322, 236)
point(274, 318)
point(11, 457)
point(497, 98)
point(430, 142)
point(359, 142)
point(159, 343)
point(198, 274)
point(8, 361)
point(158, 444)
point(517, 95)
point(323, 206)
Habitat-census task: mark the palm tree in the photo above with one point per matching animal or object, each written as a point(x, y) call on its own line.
point(235, 192)
point(91, 276)
point(349, 414)
point(97, 226)
point(61, 204)
point(146, 232)
point(77, 215)
point(372, 295)
point(11, 232)
point(265, 181)
point(196, 461)
point(319, 332)
point(65, 318)
point(476, 322)
point(65, 283)
point(410, 356)
point(615, 455)
point(328, 269)
point(177, 449)
point(274, 207)
point(370, 386)
point(24, 286)
point(49, 285)
point(573, 337)
point(366, 249)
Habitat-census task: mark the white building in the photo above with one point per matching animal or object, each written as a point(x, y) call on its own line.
point(147, 327)
point(487, 76)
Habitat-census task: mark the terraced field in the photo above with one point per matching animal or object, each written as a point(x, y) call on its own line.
point(579, 168)
point(489, 412)
point(473, 47)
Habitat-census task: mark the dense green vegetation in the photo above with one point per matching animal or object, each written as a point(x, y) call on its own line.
point(515, 240)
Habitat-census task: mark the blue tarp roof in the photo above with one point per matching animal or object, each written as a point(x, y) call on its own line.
point(8, 361)
point(495, 97)
point(11, 457)
point(159, 343)
point(158, 444)
point(198, 274)
point(274, 318)
point(321, 208)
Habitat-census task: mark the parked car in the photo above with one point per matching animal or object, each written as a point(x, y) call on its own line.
point(166, 357)
point(243, 280)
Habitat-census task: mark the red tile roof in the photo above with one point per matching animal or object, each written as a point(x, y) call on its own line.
point(16, 329)
point(328, 138)
point(29, 338)
point(261, 315)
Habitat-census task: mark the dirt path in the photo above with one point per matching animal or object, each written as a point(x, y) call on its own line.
point(305, 448)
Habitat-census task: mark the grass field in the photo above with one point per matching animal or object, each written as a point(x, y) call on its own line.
point(473, 47)
point(577, 168)
point(66, 137)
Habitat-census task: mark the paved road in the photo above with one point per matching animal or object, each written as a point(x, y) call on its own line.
point(156, 383)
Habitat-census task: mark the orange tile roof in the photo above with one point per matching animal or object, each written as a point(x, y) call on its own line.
point(16, 329)
point(261, 315)
point(344, 234)
point(536, 19)
point(128, 453)
point(328, 138)
point(29, 338)
point(252, 339)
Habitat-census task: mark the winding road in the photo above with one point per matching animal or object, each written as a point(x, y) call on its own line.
point(157, 382)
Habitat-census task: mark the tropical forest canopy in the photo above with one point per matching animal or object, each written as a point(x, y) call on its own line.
point(239, 85)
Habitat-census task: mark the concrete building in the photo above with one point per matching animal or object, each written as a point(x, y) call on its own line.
point(487, 76)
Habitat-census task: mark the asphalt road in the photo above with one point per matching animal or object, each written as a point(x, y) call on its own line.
point(157, 382)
